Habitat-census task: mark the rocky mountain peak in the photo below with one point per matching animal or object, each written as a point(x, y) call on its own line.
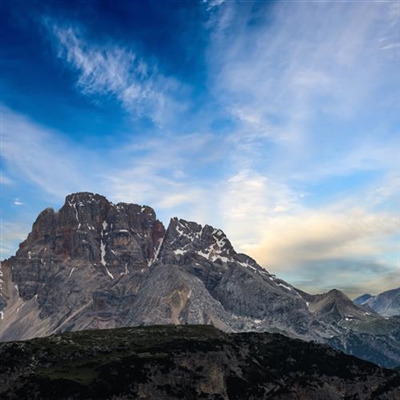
point(71, 253)
point(183, 237)
point(335, 307)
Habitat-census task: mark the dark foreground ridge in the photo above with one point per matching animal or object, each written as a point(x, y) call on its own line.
point(185, 362)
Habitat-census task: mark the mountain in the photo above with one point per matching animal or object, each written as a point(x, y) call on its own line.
point(186, 362)
point(362, 299)
point(95, 265)
point(334, 307)
point(386, 303)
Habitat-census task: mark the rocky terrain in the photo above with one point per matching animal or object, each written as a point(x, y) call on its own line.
point(94, 264)
point(386, 303)
point(186, 362)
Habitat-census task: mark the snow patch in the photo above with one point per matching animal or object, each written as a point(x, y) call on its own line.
point(205, 255)
point(179, 252)
point(103, 246)
point(16, 288)
point(157, 252)
point(247, 265)
point(103, 253)
point(286, 287)
point(108, 272)
point(1, 315)
point(30, 255)
point(72, 270)
point(180, 231)
point(73, 205)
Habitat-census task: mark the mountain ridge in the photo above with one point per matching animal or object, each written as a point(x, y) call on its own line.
point(94, 264)
point(186, 361)
point(386, 303)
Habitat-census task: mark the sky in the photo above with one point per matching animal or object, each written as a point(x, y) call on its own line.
point(276, 121)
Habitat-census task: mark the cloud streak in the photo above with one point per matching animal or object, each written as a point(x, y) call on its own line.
point(41, 155)
point(110, 69)
point(308, 64)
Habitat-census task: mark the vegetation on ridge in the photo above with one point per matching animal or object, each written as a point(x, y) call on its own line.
point(171, 362)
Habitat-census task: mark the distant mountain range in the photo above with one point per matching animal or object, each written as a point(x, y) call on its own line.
point(94, 264)
point(386, 303)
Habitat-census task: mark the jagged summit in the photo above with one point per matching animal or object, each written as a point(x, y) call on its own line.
point(97, 264)
point(185, 239)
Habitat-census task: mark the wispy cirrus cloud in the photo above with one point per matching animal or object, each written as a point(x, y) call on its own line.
point(174, 174)
point(41, 156)
point(285, 71)
point(106, 68)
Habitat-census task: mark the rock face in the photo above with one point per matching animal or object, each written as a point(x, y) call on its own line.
point(386, 303)
point(85, 260)
point(94, 264)
point(186, 362)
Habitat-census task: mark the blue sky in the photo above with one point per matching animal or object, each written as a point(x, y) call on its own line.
point(278, 122)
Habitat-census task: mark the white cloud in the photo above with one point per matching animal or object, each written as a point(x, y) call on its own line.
point(109, 69)
point(285, 77)
point(213, 3)
point(18, 202)
point(166, 172)
point(347, 244)
point(324, 234)
point(41, 156)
